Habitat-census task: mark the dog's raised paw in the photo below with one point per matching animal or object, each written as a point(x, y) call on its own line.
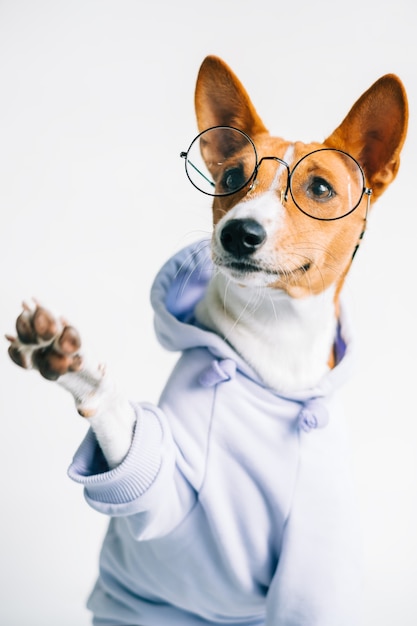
point(45, 342)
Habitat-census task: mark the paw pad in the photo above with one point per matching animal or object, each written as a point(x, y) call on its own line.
point(45, 342)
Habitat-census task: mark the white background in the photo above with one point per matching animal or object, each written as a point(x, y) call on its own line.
point(96, 102)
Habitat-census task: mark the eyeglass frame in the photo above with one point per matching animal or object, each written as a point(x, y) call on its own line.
point(284, 195)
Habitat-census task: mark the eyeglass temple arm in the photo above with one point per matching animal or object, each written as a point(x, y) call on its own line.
point(368, 192)
point(183, 155)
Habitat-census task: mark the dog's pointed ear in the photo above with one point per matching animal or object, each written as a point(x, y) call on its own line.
point(221, 99)
point(374, 131)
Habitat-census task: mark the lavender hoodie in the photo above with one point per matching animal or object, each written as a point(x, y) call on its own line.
point(234, 504)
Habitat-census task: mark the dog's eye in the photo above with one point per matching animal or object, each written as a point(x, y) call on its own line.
point(233, 179)
point(319, 189)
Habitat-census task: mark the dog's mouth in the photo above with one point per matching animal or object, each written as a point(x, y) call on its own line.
point(244, 268)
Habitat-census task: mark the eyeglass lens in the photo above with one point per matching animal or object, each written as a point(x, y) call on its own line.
point(325, 184)
point(221, 161)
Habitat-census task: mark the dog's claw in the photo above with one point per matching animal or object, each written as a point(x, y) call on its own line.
point(24, 327)
point(44, 324)
point(16, 355)
point(69, 342)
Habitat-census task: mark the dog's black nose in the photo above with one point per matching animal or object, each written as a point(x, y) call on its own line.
point(241, 237)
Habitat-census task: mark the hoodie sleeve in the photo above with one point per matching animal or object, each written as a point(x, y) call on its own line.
point(147, 486)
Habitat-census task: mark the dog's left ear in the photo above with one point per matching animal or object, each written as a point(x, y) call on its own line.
point(374, 131)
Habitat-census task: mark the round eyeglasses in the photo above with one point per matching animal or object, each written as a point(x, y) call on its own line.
point(326, 184)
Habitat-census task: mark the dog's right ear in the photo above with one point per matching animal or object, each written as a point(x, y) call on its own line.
point(221, 99)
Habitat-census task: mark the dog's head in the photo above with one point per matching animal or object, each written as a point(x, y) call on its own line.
point(289, 215)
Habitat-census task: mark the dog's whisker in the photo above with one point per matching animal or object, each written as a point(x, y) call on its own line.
point(316, 248)
point(187, 277)
point(244, 310)
point(192, 257)
point(199, 264)
point(258, 300)
point(272, 303)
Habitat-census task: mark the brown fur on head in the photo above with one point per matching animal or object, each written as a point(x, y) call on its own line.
point(307, 255)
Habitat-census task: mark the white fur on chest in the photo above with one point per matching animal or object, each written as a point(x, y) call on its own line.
point(287, 341)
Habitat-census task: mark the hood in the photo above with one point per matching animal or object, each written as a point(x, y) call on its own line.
point(178, 287)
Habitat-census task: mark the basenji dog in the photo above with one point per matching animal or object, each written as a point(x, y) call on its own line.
point(231, 501)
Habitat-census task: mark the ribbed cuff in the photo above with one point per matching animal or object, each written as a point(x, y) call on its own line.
point(111, 490)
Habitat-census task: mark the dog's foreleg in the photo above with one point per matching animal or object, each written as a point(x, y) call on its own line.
point(53, 347)
point(107, 411)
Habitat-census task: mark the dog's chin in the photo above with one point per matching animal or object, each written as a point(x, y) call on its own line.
point(246, 273)
point(250, 273)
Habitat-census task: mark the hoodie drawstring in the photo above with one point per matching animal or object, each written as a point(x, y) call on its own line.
point(312, 415)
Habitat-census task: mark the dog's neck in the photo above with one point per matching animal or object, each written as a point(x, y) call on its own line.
point(287, 341)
